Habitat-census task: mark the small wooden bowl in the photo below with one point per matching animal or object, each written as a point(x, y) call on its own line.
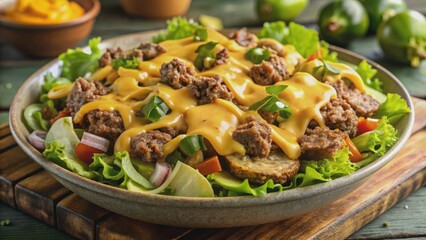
point(156, 8)
point(49, 40)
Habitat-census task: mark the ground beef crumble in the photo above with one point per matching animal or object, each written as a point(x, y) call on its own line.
point(148, 146)
point(363, 104)
point(255, 135)
point(320, 143)
point(338, 114)
point(106, 124)
point(84, 92)
point(208, 89)
point(244, 38)
point(176, 74)
point(151, 50)
point(269, 72)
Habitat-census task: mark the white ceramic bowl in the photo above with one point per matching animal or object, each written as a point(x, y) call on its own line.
point(203, 212)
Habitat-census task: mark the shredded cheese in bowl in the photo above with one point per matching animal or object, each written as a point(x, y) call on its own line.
point(43, 11)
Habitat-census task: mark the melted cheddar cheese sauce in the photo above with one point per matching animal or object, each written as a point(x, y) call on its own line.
point(132, 89)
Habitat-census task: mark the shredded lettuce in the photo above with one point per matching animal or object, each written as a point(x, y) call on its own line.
point(77, 63)
point(313, 171)
point(57, 153)
point(326, 54)
point(61, 142)
point(108, 168)
point(228, 185)
point(394, 108)
point(50, 82)
point(377, 142)
point(177, 28)
point(367, 74)
point(306, 41)
point(276, 30)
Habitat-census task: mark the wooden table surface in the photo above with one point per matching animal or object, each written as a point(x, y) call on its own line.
point(407, 219)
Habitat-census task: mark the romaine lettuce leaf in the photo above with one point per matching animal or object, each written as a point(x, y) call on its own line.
point(276, 30)
point(394, 108)
point(377, 142)
point(57, 153)
point(326, 54)
point(367, 73)
point(306, 41)
point(314, 171)
point(177, 28)
point(61, 142)
point(108, 167)
point(77, 63)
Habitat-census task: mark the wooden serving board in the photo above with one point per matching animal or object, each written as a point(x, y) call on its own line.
point(27, 187)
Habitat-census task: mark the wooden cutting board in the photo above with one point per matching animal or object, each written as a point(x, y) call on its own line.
point(27, 187)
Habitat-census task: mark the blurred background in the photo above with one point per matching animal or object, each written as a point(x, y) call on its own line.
point(113, 21)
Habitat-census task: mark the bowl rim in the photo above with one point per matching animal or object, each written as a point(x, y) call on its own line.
point(87, 16)
point(234, 202)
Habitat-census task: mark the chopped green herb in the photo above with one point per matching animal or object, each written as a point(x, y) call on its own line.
point(325, 69)
point(275, 90)
point(191, 144)
point(125, 63)
point(257, 55)
point(155, 109)
point(272, 103)
point(206, 56)
point(385, 224)
point(200, 35)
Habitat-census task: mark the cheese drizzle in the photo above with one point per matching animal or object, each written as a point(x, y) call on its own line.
point(132, 89)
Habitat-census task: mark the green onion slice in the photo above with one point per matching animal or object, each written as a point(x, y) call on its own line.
point(200, 35)
point(155, 109)
point(191, 144)
point(205, 51)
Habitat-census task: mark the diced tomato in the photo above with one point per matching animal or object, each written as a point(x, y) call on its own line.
point(85, 152)
point(355, 155)
point(367, 125)
point(209, 166)
point(312, 57)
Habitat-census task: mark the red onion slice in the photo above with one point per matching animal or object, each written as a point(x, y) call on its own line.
point(37, 138)
point(161, 172)
point(95, 141)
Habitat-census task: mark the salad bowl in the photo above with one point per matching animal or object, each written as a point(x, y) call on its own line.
point(196, 211)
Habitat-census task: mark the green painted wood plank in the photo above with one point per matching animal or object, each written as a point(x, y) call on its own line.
point(405, 219)
point(11, 78)
point(4, 117)
point(25, 227)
